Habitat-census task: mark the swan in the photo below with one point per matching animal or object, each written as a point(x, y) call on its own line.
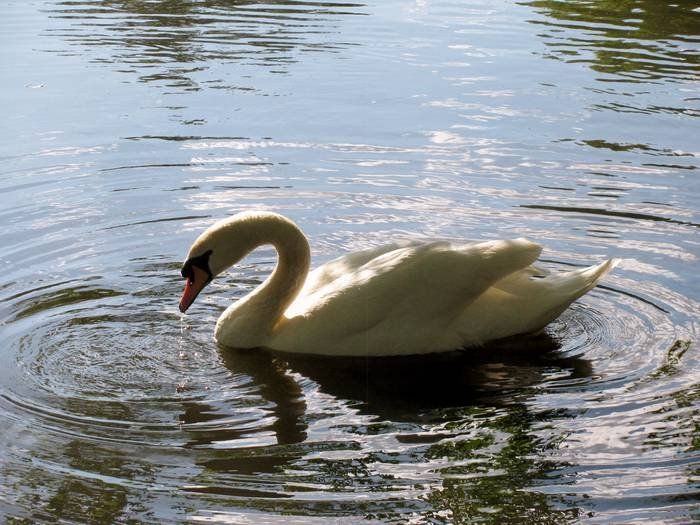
point(402, 298)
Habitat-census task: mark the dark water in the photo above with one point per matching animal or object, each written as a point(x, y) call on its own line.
point(128, 127)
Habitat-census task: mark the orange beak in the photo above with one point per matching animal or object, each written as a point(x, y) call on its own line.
point(198, 280)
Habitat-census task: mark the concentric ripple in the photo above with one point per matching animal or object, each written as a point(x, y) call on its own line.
point(134, 125)
point(162, 412)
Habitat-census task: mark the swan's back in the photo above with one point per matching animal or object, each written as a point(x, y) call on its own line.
point(393, 300)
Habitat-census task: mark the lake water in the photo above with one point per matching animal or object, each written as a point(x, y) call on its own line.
point(128, 127)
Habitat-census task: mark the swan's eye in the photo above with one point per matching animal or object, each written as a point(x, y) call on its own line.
point(187, 272)
point(201, 262)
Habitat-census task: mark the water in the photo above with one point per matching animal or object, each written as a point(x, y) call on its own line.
point(131, 126)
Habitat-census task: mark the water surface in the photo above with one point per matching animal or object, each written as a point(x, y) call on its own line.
point(131, 126)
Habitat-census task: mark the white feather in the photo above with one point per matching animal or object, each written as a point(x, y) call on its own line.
point(399, 299)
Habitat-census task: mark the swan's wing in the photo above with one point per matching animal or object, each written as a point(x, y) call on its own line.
point(415, 291)
point(520, 304)
point(337, 268)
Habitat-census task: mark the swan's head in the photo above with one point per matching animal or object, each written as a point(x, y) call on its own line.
point(198, 274)
point(222, 245)
point(213, 252)
point(226, 242)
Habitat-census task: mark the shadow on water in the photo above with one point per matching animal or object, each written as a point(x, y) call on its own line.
point(463, 415)
point(275, 385)
point(76, 498)
point(175, 44)
point(634, 41)
point(393, 387)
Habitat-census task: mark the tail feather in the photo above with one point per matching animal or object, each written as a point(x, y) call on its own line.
point(575, 283)
point(560, 290)
point(525, 302)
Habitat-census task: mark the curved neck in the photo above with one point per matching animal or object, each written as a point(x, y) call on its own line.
point(284, 284)
point(266, 305)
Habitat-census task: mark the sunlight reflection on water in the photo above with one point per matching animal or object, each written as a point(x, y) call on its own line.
point(136, 125)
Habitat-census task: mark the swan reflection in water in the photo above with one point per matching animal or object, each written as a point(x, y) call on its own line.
point(317, 411)
point(468, 408)
point(410, 389)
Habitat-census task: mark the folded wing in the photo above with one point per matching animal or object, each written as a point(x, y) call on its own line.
point(398, 299)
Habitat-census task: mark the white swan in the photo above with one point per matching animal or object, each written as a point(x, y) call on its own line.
point(398, 299)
